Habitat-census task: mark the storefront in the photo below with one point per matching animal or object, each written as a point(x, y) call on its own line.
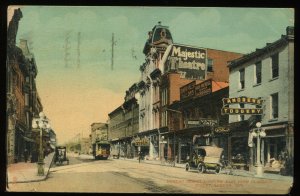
point(142, 145)
point(276, 148)
point(238, 153)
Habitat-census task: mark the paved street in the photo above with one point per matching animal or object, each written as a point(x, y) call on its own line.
point(124, 176)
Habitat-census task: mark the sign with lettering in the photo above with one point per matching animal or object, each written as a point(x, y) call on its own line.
point(248, 100)
point(141, 141)
point(222, 130)
point(204, 88)
point(252, 111)
point(187, 60)
point(242, 111)
point(202, 122)
point(187, 90)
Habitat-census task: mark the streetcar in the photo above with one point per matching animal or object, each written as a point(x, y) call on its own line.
point(101, 150)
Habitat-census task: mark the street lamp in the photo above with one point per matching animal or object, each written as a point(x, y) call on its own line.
point(259, 133)
point(41, 123)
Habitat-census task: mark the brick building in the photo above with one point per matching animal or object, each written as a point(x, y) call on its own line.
point(123, 125)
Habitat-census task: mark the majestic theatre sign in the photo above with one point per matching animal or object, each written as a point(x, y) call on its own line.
point(187, 60)
point(245, 100)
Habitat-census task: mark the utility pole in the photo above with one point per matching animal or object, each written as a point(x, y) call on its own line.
point(67, 48)
point(113, 43)
point(78, 50)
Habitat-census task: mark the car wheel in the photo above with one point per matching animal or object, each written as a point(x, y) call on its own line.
point(201, 168)
point(218, 169)
point(187, 167)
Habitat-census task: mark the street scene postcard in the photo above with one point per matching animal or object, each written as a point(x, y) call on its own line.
point(141, 99)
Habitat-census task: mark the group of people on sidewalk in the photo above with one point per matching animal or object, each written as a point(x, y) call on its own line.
point(33, 156)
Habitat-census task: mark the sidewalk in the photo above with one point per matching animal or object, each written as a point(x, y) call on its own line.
point(27, 172)
point(235, 172)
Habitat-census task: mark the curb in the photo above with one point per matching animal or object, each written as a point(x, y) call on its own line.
point(233, 174)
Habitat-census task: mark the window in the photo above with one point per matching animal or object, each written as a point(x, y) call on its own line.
point(275, 65)
point(258, 72)
point(274, 106)
point(242, 78)
point(242, 117)
point(164, 117)
point(164, 97)
point(210, 63)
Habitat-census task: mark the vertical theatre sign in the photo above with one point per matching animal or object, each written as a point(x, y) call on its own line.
point(189, 61)
point(244, 111)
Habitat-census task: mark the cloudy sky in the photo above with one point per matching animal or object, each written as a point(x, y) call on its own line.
point(74, 98)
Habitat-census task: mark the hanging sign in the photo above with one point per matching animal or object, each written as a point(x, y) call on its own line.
point(242, 111)
point(141, 141)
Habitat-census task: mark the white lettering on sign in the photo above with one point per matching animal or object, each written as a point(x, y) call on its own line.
point(186, 54)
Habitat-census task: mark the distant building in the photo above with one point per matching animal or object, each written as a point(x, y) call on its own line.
point(85, 145)
point(123, 125)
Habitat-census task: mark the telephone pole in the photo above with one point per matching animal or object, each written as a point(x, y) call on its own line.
point(113, 43)
point(67, 49)
point(78, 50)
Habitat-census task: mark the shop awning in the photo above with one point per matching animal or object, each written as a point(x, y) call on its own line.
point(274, 127)
point(28, 139)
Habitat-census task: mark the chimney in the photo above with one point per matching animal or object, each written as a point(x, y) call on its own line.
point(290, 30)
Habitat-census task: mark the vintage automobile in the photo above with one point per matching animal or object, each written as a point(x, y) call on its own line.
point(60, 155)
point(205, 158)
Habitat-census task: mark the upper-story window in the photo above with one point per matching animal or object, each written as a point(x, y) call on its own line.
point(242, 78)
point(258, 72)
point(164, 118)
point(274, 106)
point(210, 63)
point(164, 97)
point(275, 65)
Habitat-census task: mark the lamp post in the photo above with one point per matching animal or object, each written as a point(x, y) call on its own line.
point(41, 123)
point(259, 133)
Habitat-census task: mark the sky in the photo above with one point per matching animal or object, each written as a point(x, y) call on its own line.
point(75, 97)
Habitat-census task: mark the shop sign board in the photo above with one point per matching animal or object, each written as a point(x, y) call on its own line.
point(222, 130)
point(187, 90)
point(188, 60)
point(202, 122)
point(204, 88)
point(242, 111)
point(141, 141)
point(247, 100)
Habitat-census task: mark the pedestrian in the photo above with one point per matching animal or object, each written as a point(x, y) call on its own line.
point(140, 154)
point(25, 155)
